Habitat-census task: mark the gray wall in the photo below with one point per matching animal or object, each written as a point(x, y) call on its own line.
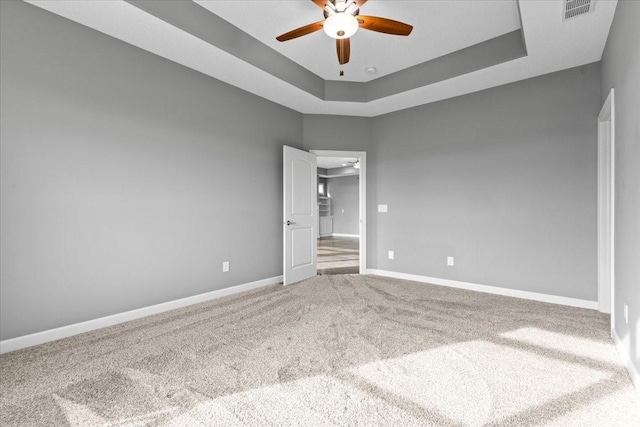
point(326, 132)
point(345, 196)
point(112, 161)
point(504, 180)
point(620, 70)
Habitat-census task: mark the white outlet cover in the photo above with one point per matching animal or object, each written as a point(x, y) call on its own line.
point(225, 266)
point(391, 254)
point(450, 261)
point(382, 208)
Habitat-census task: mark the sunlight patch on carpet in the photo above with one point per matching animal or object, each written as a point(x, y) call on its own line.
point(453, 388)
point(321, 400)
point(579, 346)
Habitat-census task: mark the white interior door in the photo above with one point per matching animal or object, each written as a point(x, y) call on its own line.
point(300, 223)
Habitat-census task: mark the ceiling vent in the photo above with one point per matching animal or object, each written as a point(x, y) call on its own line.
point(573, 8)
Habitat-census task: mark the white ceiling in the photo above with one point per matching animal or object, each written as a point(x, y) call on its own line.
point(440, 27)
point(552, 44)
point(334, 162)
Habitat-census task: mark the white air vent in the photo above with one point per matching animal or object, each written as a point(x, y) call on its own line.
point(573, 8)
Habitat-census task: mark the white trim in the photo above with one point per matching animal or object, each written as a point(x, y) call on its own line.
point(344, 235)
point(606, 207)
point(362, 156)
point(553, 299)
point(102, 322)
point(338, 176)
point(624, 354)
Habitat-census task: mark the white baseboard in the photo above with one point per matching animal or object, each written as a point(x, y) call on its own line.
point(573, 302)
point(626, 359)
point(344, 235)
point(102, 322)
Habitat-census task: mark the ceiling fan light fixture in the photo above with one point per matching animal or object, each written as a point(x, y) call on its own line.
point(340, 25)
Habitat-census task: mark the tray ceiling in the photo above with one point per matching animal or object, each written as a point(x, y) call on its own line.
point(302, 74)
point(440, 27)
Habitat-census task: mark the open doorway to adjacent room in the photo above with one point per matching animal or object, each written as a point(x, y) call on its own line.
point(340, 212)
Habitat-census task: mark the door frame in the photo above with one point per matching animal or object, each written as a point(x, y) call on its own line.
point(606, 208)
point(362, 187)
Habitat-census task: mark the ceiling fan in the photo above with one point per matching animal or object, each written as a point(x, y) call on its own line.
point(355, 164)
point(342, 20)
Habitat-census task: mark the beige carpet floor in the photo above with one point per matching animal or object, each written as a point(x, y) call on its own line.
point(333, 350)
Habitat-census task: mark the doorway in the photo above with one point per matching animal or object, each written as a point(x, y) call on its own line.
point(341, 236)
point(606, 207)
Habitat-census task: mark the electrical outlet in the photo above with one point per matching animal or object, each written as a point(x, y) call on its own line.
point(225, 266)
point(391, 255)
point(626, 314)
point(450, 261)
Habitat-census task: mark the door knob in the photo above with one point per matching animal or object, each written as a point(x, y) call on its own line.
point(289, 222)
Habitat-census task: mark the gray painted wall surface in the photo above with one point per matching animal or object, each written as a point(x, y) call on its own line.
point(504, 180)
point(111, 164)
point(621, 70)
point(325, 132)
point(345, 197)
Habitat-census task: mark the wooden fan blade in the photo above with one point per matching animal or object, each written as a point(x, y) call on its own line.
point(302, 31)
point(384, 25)
point(322, 4)
point(343, 46)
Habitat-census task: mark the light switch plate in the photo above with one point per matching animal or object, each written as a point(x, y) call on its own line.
point(626, 313)
point(382, 208)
